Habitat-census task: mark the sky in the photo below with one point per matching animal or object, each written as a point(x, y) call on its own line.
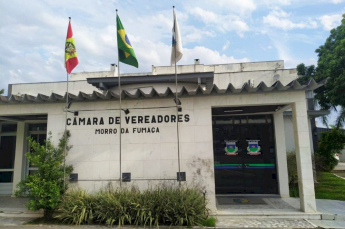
point(33, 33)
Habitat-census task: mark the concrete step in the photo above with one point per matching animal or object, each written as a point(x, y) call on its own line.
point(272, 215)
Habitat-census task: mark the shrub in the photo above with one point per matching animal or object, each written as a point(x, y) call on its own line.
point(77, 208)
point(330, 144)
point(292, 168)
point(209, 222)
point(46, 187)
point(162, 205)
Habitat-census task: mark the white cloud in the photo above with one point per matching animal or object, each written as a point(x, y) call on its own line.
point(226, 46)
point(338, 1)
point(330, 21)
point(195, 35)
point(280, 19)
point(284, 53)
point(224, 23)
point(240, 7)
point(208, 56)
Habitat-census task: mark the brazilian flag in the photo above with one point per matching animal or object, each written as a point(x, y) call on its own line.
point(126, 51)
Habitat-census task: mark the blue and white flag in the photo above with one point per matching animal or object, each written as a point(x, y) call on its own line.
point(176, 42)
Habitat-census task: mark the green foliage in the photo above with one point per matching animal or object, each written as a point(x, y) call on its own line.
point(329, 187)
point(331, 143)
point(77, 208)
point(46, 187)
point(209, 222)
point(292, 168)
point(331, 66)
point(162, 205)
point(305, 73)
point(2, 91)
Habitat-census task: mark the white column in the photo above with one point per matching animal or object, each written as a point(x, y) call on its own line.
point(303, 157)
point(283, 178)
point(18, 159)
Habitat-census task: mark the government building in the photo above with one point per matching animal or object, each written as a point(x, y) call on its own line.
point(225, 127)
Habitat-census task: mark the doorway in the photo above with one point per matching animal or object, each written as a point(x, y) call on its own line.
point(244, 154)
point(8, 133)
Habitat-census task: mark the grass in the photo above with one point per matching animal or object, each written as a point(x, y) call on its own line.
point(329, 187)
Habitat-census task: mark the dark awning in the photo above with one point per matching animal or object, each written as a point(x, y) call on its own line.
point(105, 83)
point(311, 113)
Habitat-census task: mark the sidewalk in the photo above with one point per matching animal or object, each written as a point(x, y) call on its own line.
point(332, 216)
point(339, 170)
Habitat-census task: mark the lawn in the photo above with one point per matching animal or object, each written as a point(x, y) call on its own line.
point(329, 186)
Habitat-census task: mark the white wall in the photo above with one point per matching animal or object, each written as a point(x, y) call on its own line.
point(146, 155)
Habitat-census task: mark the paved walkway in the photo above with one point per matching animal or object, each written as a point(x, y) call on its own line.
point(339, 170)
point(13, 213)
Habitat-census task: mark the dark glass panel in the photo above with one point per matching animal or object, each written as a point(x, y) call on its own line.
point(7, 151)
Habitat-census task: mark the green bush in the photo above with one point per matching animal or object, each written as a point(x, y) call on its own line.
point(162, 205)
point(292, 167)
point(209, 222)
point(46, 187)
point(77, 208)
point(330, 144)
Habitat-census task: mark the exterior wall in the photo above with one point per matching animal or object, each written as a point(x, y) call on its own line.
point(74, 87)
point(237, 79)
point(220, 68)
point(150, 155)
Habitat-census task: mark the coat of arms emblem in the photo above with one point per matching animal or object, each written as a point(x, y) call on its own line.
point(231, 148)
point(253, 147)
point(70, 48)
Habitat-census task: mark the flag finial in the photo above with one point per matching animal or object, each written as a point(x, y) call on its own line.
point(69, 18)
point(173, 6)
point(116, 10)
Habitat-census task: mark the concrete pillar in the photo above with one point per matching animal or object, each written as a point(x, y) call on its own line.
point(303, 157)
point(283, 178)
point(18, 159)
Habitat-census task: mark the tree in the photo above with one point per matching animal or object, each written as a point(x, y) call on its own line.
point(46, 187)
point(2, 91)
point(331, 66)
point(331, 143)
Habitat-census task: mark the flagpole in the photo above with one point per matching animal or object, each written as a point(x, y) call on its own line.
point(176, 98)
point(65, 137)
point(65, 132)
point(118, 75)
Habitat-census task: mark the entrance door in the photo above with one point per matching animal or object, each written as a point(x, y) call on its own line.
point(7, 154)
point(244, 155)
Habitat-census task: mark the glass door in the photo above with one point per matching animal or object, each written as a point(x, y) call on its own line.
point(244, 155)
point(7, 155)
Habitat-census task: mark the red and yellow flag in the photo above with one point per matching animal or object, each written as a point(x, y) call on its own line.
point(71, 59)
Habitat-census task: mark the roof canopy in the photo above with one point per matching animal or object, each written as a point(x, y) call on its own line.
point(155, 93)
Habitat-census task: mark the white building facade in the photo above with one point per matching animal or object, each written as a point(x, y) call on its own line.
point(227, 134)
